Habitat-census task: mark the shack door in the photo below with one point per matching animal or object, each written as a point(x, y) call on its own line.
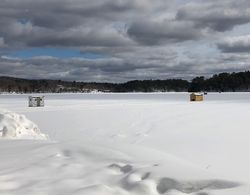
point(38, 101)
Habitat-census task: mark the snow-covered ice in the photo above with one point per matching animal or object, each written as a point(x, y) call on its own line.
point(15, 126)
point(126, 144)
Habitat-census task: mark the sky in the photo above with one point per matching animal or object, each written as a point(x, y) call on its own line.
point(122, 40)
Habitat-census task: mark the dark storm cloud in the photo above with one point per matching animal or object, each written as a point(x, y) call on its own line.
point(2, 43)
point(61, 23)
point(119, 69)
point(88, 23)
point(158, 33)
point(78, 37)
point(140, 39)
point(239, 44)
point(115, 69)
point(219, 16)
point(83, 23)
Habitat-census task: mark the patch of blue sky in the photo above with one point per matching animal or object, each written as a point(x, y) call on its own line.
point(23, 20)
point(54, 52)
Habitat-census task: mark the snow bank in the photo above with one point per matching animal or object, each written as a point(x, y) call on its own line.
point(15, 126)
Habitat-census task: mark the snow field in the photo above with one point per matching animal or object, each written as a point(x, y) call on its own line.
point(132, 144)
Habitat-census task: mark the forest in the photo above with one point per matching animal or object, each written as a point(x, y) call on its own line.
point(223, 82)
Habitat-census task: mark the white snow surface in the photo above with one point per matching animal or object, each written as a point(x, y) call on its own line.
point(126, 144)
point(15, 126)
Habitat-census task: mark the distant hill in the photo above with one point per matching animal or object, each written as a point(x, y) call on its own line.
point(219, 82)
point(223, 82)
point(10, 84)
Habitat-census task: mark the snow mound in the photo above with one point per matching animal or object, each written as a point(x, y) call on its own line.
point(16, 126)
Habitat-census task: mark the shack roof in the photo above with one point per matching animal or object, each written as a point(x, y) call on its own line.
point(197, 94)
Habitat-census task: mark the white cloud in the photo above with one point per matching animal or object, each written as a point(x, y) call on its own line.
point(236, 44)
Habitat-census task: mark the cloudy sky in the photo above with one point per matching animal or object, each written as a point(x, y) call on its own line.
point(121, 40)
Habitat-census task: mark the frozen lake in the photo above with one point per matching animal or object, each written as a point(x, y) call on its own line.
point(139, 144)
point(182, 96)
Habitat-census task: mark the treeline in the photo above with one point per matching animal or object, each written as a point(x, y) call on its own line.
point(153, 86)
point(223, 82)
point(17, 85)
point(219, 83)
point(10, 85)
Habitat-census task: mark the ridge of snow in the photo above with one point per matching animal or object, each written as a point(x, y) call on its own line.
point(17, 126)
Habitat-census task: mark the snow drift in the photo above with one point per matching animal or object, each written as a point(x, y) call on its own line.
point(15, 126)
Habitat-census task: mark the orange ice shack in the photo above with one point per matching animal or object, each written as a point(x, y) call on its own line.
point(196, 97)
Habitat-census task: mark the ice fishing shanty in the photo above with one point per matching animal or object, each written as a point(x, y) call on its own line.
point(36, 101)
point(196, 97)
